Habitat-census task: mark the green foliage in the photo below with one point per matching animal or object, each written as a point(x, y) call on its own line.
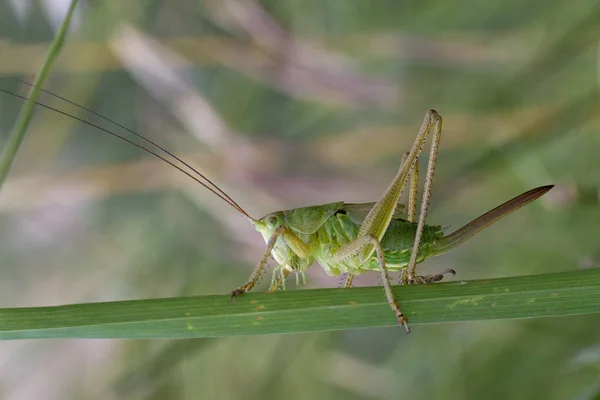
point(535, 296)
point(11, 147)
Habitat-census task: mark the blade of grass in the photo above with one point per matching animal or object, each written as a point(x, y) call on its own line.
point(549, 295)
point(9, 152)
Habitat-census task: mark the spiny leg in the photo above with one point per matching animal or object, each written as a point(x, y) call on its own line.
point(412, 201)
point(280, 281)
point(275, 276)
point(299, 248)
point(259, 267)
point(412, 204)
point(413, 188)
point(352, 249)
point(377, 221)
point(435, 143)
point(348, 281)
point(402, 320)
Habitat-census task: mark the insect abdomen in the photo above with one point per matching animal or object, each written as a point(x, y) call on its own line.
point(339, 230)
point(398, 241)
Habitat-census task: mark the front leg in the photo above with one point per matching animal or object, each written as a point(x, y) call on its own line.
point(292, 242)
point(261, 264)
point(278, 280)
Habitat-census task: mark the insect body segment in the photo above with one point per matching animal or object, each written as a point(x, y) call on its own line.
point(335, 232)
point(398, 242)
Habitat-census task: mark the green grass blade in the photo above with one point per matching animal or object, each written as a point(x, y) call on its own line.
point(550, 295)
point(9, 152)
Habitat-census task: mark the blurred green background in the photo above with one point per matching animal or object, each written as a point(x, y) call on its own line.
point(285, 104)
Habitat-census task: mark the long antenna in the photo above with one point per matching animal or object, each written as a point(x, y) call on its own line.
point(90, 111)
point(217, 192)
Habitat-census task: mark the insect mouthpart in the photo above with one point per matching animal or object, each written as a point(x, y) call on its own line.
point(258, 224)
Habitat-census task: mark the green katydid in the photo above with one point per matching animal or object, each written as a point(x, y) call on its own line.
point(346, 238)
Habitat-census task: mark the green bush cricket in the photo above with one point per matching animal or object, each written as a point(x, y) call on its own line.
point(347, 238)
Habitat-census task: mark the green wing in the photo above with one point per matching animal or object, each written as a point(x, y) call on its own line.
point(309, 219)
point(358, 211)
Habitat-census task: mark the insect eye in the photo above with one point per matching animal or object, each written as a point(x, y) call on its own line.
point(272, 220)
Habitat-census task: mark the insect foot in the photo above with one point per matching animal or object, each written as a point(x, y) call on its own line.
point(403, 321)
point(430, 278)
point(238, 291)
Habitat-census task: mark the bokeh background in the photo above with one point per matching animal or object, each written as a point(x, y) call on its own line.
point(289, 103)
